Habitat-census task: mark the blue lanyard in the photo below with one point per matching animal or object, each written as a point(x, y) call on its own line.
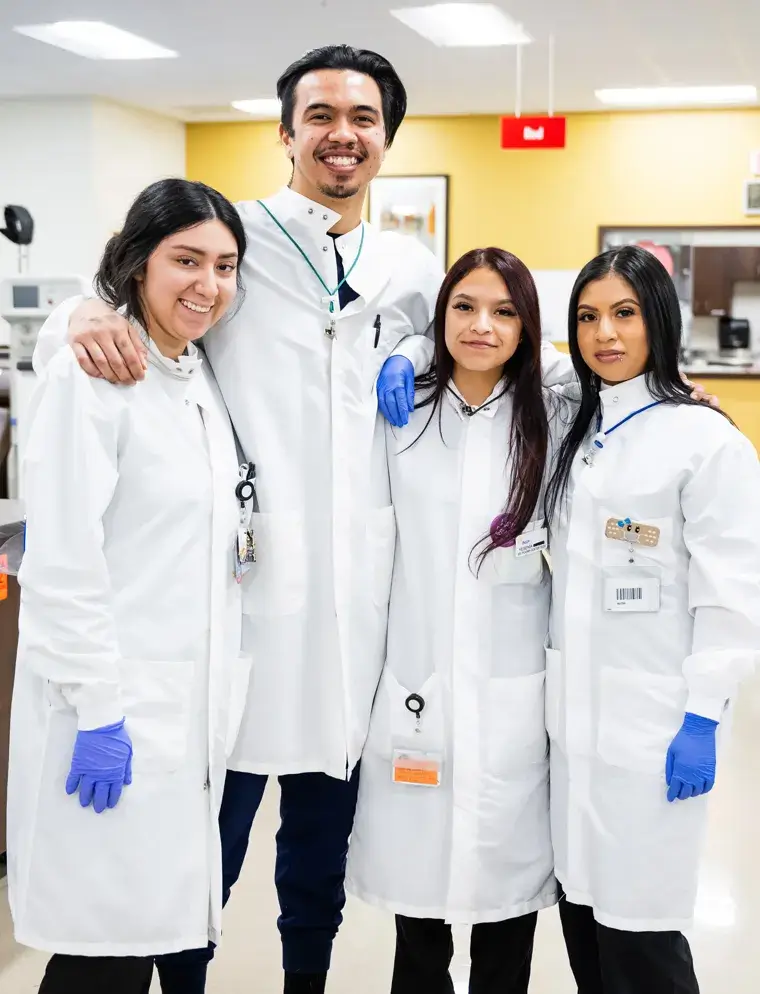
point(599, 442)
point(312, 267)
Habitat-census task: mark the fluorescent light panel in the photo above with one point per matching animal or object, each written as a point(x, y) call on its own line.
point(677, 96)
point(265, 107)
point(95, 40)
point(463, 25)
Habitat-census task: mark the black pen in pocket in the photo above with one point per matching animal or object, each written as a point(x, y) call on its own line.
point(377, 330)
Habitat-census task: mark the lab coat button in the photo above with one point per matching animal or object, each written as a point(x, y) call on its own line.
point(324, 248)
point(311, 210)
point(324, 217)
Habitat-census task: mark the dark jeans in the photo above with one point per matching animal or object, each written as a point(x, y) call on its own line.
point(316, 818)
point(501, 954)
point(610, 961)
point(97, 975)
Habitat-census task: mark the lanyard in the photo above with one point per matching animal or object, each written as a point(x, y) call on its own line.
point(601, 436)
point(312, 267)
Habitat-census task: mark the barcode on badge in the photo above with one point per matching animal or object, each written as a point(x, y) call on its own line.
point(630, 594)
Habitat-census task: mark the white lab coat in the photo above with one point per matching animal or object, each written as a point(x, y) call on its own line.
point(478, 848)
point(618, 684)
point(304, 406)
point(129, 608)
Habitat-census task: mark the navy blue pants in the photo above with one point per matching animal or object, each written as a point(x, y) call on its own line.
point(316, 818)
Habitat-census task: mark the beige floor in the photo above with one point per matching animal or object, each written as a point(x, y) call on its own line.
point(724, 941)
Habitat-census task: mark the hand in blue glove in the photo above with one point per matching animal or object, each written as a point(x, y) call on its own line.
point(101, 766)
point(690, 766)
point(395, 390)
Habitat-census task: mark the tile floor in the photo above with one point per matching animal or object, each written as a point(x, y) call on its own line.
point(725, 940)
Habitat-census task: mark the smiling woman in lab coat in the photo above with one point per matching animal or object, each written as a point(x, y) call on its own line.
point(453, 817)
point(655, 620)
point(128, 677)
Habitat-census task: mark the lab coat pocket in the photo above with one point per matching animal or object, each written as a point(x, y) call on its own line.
point(554, 679)
point(503, 565)
point(516, 736)
point(661, 559)
point(239, 678)
point(639, 715)
point(381, 545)
point(156, 696)
point(275, 587)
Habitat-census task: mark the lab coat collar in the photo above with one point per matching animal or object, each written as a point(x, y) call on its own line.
point(622, 399)
point(301, 215)
point(489, 407)
point(309, 223)
point(183, 368)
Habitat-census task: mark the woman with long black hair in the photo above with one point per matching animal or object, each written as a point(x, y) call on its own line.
point(453, 816)
point(655, 620)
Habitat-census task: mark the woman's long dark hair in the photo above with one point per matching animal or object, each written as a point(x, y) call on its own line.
point(160, 211)
point(661, 313)
point(529, 430)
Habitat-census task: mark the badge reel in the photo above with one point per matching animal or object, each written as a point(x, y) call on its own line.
point(245, 543)
point(417, 767)
point(635, 589)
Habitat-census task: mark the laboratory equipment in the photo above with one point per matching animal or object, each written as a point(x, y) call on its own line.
point(25, 303)
point(19, 229)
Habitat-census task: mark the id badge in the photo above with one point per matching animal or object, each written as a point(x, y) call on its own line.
point(531, 542)
point(632, 593)
point(244, 553)
point(416, 768)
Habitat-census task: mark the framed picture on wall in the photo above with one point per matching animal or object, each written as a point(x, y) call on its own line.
point(413, 205)
point(752, 196)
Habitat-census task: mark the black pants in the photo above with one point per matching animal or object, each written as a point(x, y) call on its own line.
point(98, 975)
point(501, 956)
point(609, 961)
point(316, 818)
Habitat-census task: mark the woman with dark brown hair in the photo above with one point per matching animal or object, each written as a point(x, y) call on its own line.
point(453, 818)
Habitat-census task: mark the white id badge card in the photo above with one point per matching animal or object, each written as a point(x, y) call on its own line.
point(420, 769)
point(531, 542)
point(632, 593)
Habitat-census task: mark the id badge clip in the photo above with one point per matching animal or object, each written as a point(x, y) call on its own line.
point(416, 767)
point(634, 590)
point(245, 544)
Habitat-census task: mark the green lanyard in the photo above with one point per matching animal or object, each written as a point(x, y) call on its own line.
point(311, 265)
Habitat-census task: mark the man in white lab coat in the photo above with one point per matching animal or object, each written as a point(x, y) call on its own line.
point(328, 300)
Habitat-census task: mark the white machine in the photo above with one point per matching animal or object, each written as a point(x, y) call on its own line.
point(25, 303)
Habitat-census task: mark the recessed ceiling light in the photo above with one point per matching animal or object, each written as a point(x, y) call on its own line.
point(266, 107)
point(95, 40)
point(463, 25)
point(677, 96)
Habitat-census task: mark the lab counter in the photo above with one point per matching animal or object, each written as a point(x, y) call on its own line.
point(10, 510)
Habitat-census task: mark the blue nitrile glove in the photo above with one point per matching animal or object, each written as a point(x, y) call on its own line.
point(690, 766)
point(101, 766)
point(395, 390)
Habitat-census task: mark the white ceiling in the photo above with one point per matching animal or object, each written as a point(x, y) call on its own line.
point(237, 49)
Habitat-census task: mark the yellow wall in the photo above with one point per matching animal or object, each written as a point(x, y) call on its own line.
point(663, 168)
